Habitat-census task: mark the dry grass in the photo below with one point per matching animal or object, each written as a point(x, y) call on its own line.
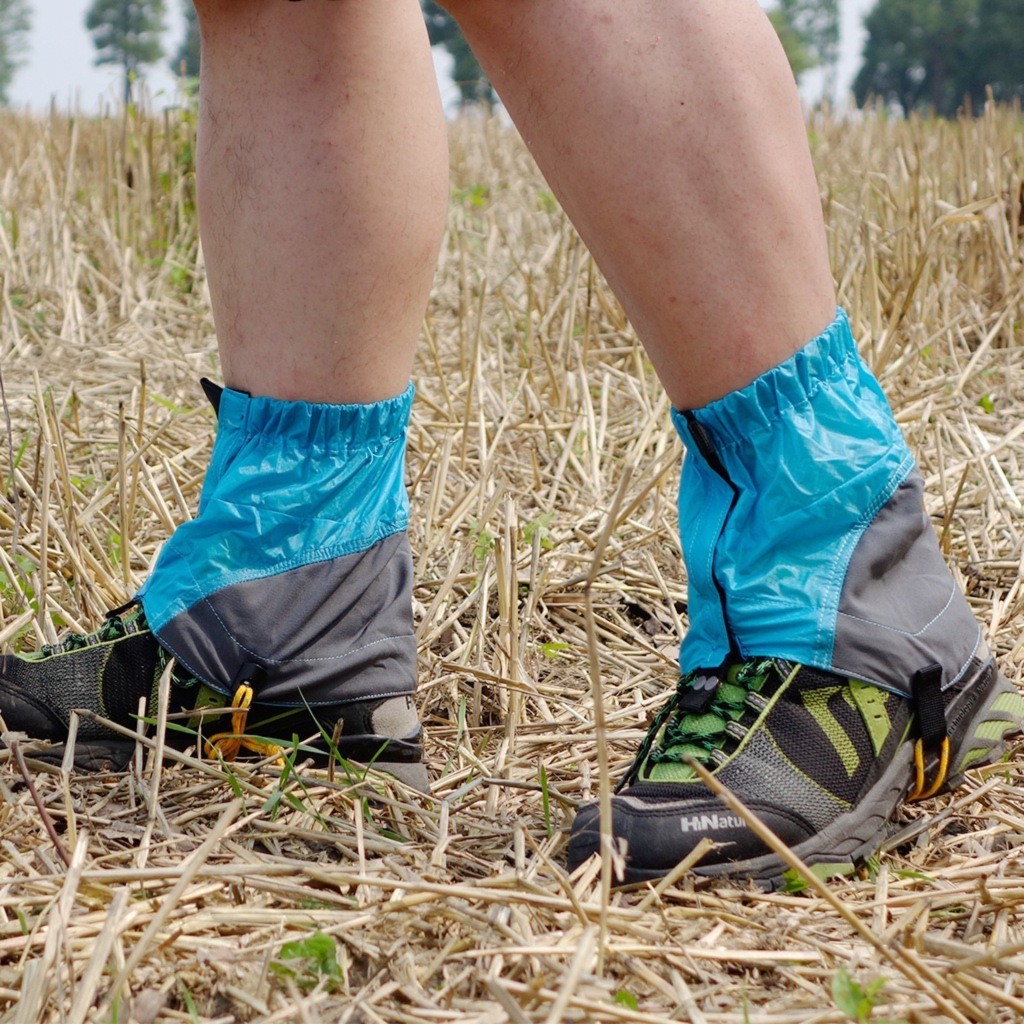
point(541, 459)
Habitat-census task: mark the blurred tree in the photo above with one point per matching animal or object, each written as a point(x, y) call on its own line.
point(816, 25)
point(15, 21)
point(999, 47)
point(127, 33)
point(800, 59)
point(186, 61)
point(467, 74)
point(924, 53)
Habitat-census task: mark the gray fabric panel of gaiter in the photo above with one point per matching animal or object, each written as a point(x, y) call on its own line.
point(900, 609)
point(325, 633)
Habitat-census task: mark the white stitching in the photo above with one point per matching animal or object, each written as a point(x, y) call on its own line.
point(903, 632)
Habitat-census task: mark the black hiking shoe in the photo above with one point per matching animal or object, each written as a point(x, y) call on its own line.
point(110, 670)
point(823, 760)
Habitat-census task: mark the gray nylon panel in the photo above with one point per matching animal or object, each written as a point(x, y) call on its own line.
point(335, 631)
point(900, 609)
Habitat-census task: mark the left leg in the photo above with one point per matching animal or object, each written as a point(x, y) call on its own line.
point(829, 650)
point(322, 168)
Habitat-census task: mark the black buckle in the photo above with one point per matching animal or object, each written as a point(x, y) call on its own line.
point(926, 687)
point(700, 692)
point(249, 674)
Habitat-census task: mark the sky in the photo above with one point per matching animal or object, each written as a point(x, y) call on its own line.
point(60, 60)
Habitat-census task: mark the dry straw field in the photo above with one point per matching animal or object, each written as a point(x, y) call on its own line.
point(543, 472)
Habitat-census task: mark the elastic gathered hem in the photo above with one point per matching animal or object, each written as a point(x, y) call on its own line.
point(774, 396)
point(316, 425)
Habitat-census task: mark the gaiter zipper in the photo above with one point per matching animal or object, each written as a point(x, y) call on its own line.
point(702, 439)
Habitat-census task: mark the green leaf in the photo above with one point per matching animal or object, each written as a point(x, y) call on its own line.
point(545, 800)
point(874, 988)
point(846, 994)
point(627, 999)
point(540, 528)
point(856, 1002)
point(309, 961)
point(190, 1003)
point(483, 543)
point(987, 404)
point(552, 650)
point(793, 882)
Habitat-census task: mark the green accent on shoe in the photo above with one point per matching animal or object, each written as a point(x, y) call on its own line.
point(873, 706)
point(207, 699)
point(992, 730)
point(989, 732)
point(112, 629)
point(1009, 704)
point(816, 702)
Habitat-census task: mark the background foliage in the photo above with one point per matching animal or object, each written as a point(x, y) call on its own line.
point(935, 53)
point(127, 33)
point(15, 21)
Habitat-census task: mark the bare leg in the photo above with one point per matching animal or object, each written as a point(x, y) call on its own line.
point(672, 134)
point(323, 173)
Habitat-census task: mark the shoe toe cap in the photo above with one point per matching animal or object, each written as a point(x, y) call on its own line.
point(21, 710)
point(661, 832)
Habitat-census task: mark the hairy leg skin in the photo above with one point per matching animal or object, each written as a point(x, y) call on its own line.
point(672, 134)
point(323, 185)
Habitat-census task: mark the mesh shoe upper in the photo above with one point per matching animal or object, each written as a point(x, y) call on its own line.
point(107, 672)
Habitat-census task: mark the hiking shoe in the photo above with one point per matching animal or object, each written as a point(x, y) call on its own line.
point(107, 672)
point(825, 761)
point(855, 673)
point(286, 602)
point(110, 670)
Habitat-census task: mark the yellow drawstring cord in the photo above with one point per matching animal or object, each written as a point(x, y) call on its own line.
point(920, 792)
point(227, 745)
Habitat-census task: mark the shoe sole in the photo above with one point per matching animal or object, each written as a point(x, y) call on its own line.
point(844, 846)
point(114, 755)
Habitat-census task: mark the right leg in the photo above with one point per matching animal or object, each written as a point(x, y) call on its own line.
point(672, 133)
point(323, 184)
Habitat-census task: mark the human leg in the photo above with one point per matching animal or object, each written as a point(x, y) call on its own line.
point(323, 183)
point(681, 157)
point(322, 177)
point(827, 637)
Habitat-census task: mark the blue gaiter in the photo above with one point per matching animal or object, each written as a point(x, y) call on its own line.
point(298, 560)
point(804, 533)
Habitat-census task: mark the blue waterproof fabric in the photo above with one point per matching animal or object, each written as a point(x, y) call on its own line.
point(289, 484)
point(812, 452)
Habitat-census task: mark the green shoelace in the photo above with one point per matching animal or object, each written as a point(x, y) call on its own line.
point(114, 627)
point(678, 734)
